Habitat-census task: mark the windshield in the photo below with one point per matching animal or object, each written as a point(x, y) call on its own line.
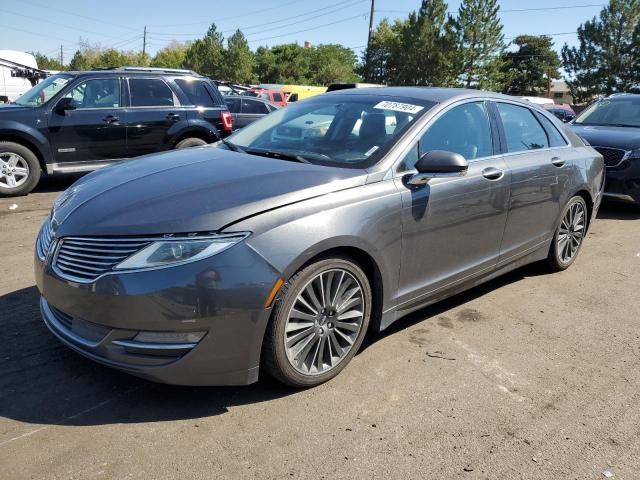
point(351, 131)
point(43, 91)
point(621, 112)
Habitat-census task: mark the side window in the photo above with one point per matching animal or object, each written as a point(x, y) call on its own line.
point(233, 104)
point(293, 97)
point(555, 137)
point(464, 129)
point(196, 92)
point(97, 93)
point(251, 106)
point(150, 92)
point(277, 97)
point(522, 130)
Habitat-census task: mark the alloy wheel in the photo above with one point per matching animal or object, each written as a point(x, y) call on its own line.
point(571, 232)
point(14, 170)
point(324, 322)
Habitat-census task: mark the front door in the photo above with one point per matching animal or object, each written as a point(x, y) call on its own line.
point(152, 112)
point(452, 227)
point(94, 130)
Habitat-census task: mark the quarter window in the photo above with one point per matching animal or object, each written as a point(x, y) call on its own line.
point(96, 93)
point(555, 137)
point(196, 92)
point(150, 92)
point(464, 129)
point(522, 131)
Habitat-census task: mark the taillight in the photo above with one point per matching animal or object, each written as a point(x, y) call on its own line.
point(227, 120)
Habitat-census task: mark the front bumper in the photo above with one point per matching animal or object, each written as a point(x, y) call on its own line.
point(623, 182)
point(223, 295)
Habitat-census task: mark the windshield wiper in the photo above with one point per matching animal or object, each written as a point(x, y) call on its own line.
point(231, 146)
point(291, 157)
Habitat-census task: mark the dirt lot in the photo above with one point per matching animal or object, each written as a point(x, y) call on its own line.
point(530, 376)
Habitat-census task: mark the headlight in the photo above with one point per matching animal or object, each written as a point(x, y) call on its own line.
point(179, 250)
point(635, 153)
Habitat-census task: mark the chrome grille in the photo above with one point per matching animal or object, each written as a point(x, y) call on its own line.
point(45, 237)
point(85, 259)
point(612, 156)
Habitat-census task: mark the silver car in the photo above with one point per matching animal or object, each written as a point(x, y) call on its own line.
point(278, 249)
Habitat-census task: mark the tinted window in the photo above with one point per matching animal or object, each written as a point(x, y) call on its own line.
point(253, 107)
point(233, 104)
point(196, 92)
point(555, 137)
point(621, 112)
point(293, 97)
point(277, 97)
point(464, 130)
point(522, 130)
point(98, 93)
point(150, 92)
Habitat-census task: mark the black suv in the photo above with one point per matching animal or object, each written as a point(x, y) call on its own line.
point(612, 127)
point(80, 121)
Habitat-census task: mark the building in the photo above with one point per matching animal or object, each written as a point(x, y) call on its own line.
point(560, 92)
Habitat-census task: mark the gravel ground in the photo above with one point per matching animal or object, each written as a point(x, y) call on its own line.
point(533, 375)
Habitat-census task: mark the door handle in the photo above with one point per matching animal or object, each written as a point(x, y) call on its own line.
point(174, 117)
point(558, 162)
point(111, 119)
point(492, 173)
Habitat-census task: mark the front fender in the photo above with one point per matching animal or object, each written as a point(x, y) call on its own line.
point(11, 130)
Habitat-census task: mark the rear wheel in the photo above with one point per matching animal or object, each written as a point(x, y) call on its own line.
point(19, 169)
point(569, 235)
point(319, 322)
point(190, 142)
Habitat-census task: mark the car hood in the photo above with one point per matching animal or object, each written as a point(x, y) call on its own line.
point(9, 108)
point(626, 138)
point(191, 190)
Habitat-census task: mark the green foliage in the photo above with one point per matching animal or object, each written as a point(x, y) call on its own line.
point(332, 63)
point(47, 63)
point(377, 58)
point(206, 55)
point(525, 69)
point(480, 44)
point(171, 56)
point(607, 57)
point(239, 61)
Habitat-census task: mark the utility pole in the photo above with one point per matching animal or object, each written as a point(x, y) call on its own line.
point(61, 56)
point(144, 42)
point(370, 34)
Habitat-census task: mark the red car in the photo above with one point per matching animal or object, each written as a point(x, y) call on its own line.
point(274, 96)
point(563, 111)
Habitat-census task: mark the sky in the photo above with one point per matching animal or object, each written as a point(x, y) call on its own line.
point(41, 25)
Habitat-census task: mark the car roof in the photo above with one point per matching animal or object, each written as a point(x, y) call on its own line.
point(432, 94)
point(254, 99)
point(136, 72)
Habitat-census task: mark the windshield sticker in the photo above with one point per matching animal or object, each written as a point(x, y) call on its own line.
point(369, 152)
point(398, 107)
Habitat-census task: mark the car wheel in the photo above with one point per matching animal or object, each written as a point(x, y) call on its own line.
point(190, 142)
point(318, 322)
point(19, 169)
point(569, 235)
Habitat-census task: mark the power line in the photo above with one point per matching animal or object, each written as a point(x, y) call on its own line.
point(514, 10)
point(67, 12)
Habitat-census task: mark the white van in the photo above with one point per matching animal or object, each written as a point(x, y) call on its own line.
point(12, 87)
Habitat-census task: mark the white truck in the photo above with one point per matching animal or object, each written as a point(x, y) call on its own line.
point(18, 73)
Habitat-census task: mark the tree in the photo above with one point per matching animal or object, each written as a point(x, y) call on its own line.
point(47, 63)
point(424, 52)
point(239, 59)
point(377, 57)
point(171, 56)
point(480, 44)
point(332, 63)
point(206, 55)
point(607, 57)
point(525, 69)
point(286, 63)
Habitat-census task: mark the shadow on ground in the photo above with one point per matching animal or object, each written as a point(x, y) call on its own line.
point(618, 211)
point(43, 382)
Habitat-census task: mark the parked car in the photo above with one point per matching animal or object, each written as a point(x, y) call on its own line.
point(15, 69)
point(277, 253)
point(246, 110)
point(295, 93)
point(276, 97)
point(562, 111)
point(80, 121)
point(612, 127)
point(347, 85)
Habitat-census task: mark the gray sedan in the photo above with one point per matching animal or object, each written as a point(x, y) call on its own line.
point(276, 251)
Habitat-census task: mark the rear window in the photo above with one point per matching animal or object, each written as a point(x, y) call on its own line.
point(196, 92)
point(150, 92)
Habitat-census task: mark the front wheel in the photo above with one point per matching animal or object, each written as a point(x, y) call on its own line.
point(318, 323)
point(569, 235)
point(19, 169)
point(190, 142)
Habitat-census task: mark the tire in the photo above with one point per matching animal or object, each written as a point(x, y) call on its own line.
point(334, 341)
point(190, 142)
point(19, 169)
point(570, 234)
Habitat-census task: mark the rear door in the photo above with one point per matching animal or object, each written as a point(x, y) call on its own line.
point(95, 130)
point(153, 111)
point(540, 164)
point(250, 111)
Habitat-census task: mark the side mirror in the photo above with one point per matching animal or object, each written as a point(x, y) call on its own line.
point(66, 103)
point(439, 163)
